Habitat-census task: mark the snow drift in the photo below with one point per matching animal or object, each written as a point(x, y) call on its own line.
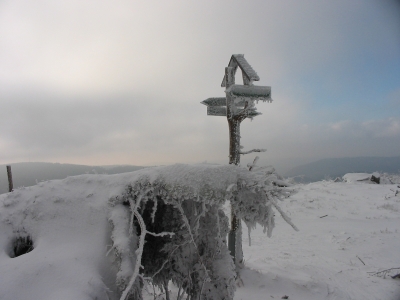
point(75, 253)
point(349, 236)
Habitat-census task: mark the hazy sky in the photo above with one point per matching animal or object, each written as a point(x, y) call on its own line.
point(120, 82)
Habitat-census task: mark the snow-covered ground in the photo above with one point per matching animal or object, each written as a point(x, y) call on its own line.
point(346, 231)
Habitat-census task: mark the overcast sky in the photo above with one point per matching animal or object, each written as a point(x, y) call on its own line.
point(120, 82)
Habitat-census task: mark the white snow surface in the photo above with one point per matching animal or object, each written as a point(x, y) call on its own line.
point(346, 231)
point(340, 225)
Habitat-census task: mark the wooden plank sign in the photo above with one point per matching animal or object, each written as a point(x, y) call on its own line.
point(221, 111)
point(216, 111)
point(250, 92)
point(221, 101)
point(215, 101)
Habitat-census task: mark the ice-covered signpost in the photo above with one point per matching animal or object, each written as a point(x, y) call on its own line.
point(237, 105)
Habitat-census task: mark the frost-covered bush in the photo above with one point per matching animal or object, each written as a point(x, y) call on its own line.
point(169, 226)
point(195, 257)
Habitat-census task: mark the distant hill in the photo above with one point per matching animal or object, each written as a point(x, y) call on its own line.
point(337, 167)
point(28, 173)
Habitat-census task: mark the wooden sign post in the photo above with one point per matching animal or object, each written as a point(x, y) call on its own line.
point(10, 181)
point(237, 105)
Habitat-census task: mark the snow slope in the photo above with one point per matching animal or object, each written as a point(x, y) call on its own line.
point(346, 231)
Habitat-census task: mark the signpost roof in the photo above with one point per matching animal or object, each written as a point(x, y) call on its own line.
point(249, 75)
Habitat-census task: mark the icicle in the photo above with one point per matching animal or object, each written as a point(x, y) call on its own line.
point(249, 234)
point(269, 221)
point(231, 188)
point(203, 210)
point(153, 214)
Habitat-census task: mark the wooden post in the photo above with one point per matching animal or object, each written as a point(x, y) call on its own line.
point(234, 241)
point(10, 181)
point(236, 97)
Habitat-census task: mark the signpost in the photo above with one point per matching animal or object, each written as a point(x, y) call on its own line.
point(10, 181)
point(237, 105)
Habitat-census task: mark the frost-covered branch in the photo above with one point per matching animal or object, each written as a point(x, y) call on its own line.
point(251, 151)
point(160, 234)
point(383, 273)
point(186, 222)
point(167, 260)
point(139, 250)
point(251, 166)
point(153, 213)
point(284, 216)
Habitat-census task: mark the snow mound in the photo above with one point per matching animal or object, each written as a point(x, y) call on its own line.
point(362, 177)
point(349, 232)
point(75, 253)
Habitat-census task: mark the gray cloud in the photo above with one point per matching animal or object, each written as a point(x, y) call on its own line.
point(99, 82)
point(386, 128)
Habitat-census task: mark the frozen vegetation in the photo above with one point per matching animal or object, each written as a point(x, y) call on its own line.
point(160, 233)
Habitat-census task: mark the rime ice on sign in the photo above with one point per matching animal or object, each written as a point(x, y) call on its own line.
point(241, 97)
point(237, 105)
point(249, 75)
